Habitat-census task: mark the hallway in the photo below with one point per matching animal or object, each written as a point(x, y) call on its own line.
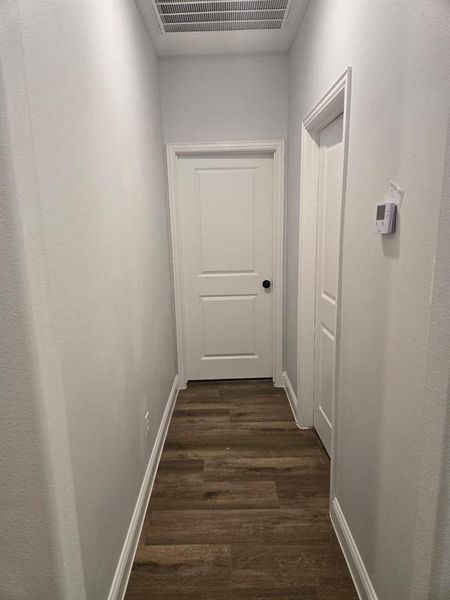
point(242, 194)
point(240, 505)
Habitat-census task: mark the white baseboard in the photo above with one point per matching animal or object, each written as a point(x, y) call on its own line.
point(290, 394)
point(293, 402)
point(354, 560)
point(123, 570)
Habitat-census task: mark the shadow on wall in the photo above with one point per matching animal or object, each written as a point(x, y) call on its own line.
point(440, 579)
point(23, 494)
point(439, 583)
point(391, 243)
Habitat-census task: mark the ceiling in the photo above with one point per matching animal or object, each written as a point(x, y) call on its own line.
point(222, 42)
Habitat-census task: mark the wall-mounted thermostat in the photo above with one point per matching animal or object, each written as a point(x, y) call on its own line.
point(386, 216)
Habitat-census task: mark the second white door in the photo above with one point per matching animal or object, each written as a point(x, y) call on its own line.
point(226, 222)
point(331, 165)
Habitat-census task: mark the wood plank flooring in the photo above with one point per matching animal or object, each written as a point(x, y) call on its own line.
point(239, 510)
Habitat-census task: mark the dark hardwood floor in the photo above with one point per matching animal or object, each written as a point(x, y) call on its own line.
point(239, 510)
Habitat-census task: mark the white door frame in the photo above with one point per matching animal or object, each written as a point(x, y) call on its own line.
point(176, 151)
point(335, 102)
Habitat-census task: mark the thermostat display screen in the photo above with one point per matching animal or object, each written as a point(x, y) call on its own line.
point(385, 221)
point(380, 212)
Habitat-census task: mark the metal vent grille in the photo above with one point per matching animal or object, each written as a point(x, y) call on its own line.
point(176, 16)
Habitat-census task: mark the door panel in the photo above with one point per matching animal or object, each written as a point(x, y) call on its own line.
point(232, 341)
point(326, 356)
point(226, 199)
point(331, 164)
point(226, 220)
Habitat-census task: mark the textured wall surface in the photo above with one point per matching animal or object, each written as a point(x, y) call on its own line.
point(432, 529)
point(400, 54)
point(89, 247)
point(25, 508)
point(217, 98)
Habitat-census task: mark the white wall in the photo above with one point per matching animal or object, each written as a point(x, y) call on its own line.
point(24, 497)
point(223, 98)
point(432, 529)
point(399, 52)
point(87, 241)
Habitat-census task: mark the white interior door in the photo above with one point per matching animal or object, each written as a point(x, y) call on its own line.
point(226, 222)
point(331, 164)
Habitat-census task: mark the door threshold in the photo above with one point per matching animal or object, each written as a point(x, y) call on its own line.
point(243, 380)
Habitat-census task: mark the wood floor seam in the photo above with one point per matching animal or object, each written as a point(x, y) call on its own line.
point(240, 505)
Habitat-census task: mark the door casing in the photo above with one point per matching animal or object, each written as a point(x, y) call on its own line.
point(334, 102)
point(173, 153)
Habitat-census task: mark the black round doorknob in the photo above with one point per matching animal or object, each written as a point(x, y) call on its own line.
point(266, 284)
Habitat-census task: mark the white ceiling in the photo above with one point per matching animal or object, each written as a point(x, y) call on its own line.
point(223, 42)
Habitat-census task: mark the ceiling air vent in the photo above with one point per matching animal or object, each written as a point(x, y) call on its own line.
point(177, 16)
